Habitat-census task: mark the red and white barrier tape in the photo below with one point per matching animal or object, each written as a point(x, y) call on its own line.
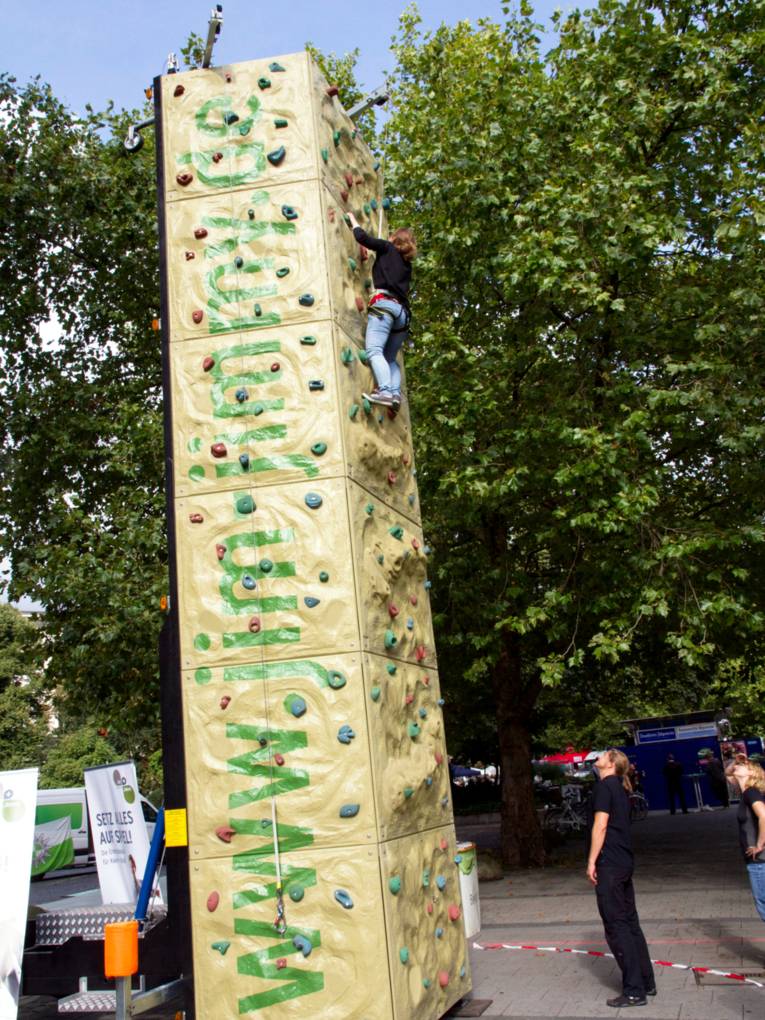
point(596, 952)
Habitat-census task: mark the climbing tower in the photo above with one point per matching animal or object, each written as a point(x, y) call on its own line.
point(312, 727)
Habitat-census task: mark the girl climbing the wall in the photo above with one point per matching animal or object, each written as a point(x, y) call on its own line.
point(389, 316)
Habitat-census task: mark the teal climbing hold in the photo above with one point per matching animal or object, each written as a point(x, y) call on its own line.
point(403, 954)
point(230, 117)
point(428, 585)
point(241, 395)
point(462, 972)
point(284, 271)
point(370, 508)
point(376, 165)
point(221, 947)
point(381, 559)
point(363, 357)
point(264, 83)
point(311, 602)
point(303, 944)
point(373, 203)
point(336, 679)
point(323, 576)
point(408, 791)
point(239, 262)
point(258, 310)
point(325, 155)
point(276, 66)
point(343, 899)
point(368, 284)
point(352, 265)
point(414, 730)
point(297, 892)
point(306, 300)
point(426, 983)
point(289, 213)
point(313, 500)
point(390, 639)
point(315, 384)
point(281, 122)
point(426, 878)
point(386, 203)
point(394, 884)
point(346, 355)
point(391, 669)
point(441, 882)
point(349, 810)
point(266, 566)
point(336, 137)
point(276, 156)
point(319, 449)
point(367, 208)
point(296, 705)
point(245, 505)
point(429, 780)
point(308, 341)
point(244, 129)
point(374, 694)
point(244, 460)
point(345, 734)
point(258, 409)
point(353, 410)
point(365, 403)
point(397, 531)
point(423, 713)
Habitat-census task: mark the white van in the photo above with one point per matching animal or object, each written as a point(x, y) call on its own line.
point(57, 844)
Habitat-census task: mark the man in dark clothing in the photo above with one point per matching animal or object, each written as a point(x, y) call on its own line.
point(718, 784)
point(609, 867)
point(673, 774)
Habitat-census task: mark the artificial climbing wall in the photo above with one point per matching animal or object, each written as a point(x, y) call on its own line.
point(308, 668)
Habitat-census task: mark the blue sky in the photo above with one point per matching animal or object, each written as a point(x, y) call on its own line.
point(112, 49)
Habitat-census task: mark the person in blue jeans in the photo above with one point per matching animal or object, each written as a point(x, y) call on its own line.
point(389, 315)
point(750, 777)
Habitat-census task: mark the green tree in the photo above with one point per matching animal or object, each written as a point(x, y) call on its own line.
point(23, 697)
point(587, 378)
point(74, 752)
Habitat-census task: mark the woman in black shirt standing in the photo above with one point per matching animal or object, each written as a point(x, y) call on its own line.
point(609, 867)
point(388, 323)
point(750, 777)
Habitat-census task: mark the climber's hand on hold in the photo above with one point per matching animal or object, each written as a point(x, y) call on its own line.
point(354, 222)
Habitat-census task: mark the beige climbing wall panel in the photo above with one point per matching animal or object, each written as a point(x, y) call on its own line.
point(309, 675)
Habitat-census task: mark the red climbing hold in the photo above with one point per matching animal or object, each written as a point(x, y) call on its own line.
point(225, 701)
point(178, 91)
point(196, 518)
point(208, 363)
point(218, 450)
point(184, 179)
point(275, 367)
point(217, 157)
point(393, 611)
point(443, 978)
point(391, 414)
point(444, 844)
point(426, 681)
point(420, 653)
point(197, 315)
point(454, 913)
point(409, 699)
point(332, 90)
point(439, 758)
point(344, 195)
point(360, 304)
point(228, 77)
point(189, 256)
point(348, 178)
point(254, 625)
point(225, 833)
point(212, 901)
point(281, 963)
point(391, 478)
point(220, 551)
point(429, 908)
point(413, 599)
point(415, 544)
point(331, 215)
point(279, 759)
point(405, 460)
point(199, 233)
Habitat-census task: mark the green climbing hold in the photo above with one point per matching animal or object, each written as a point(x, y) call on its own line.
point(336, 136)
point(366, 404)
point(381, 559)
point(353, 410)
point(244, 129)
point(391, 669)
point(325, 155)
point(297, 892)
point(394, 885)
point(221, 947)
point(264, 83)
point(336, 679)
point(323, 576)
point(258, 310)
point(414, 730)
point(284, 271)
point(203, 675)
point(266, 566)
point(367, 208)
point(245, 505)
point(196, 473)
point(363, 357)
point(202, 642)
point(397, 531)
point(276, 66)
point(289, 213)
point(403, 954)
point(308, 341)
point(408, 791)
point(374, 694)
point(390, 639)
point(276, 156)
point(373, 203)
point(426, 878)
point(352, 264)
point(306, 300)
point(368, 284)
point(319, 449)
point(346, 355)
point(280, 122)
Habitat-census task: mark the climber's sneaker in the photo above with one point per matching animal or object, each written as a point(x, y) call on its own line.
point(378, 397)
point(396, 402)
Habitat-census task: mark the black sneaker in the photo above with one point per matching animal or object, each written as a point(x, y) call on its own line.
point(376, 397)
point(621, 1001)
point(651, 990)
point(396, 402)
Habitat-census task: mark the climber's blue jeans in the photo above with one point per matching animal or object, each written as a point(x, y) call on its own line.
point(386, 332)
point(757, 881)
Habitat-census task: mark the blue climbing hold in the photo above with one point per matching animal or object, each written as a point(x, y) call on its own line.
point(248, 582)
point(344, 899)
point(303, 944)
point(313, 500)
point(298, 706)
point(244, 460)
point(349, 810)
point(423, 714)
point(428, 585)
point(311, 602)
point(315, 384)
point(306, 300)
point(242, 395)
point(409, 623)
point(345, 734)
point(441, 882)
point(289, 213)
point(429, 780)
point(439, 933)
point(386, 203)
point(441, 701)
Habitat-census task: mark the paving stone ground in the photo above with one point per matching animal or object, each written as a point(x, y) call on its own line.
point(695, 906)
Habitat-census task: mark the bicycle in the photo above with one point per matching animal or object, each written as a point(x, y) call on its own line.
point(570, 816)
point(638, 807)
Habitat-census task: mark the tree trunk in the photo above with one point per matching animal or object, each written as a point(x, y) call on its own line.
point(522, 843)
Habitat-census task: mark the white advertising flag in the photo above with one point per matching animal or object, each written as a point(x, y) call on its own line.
point(120, 842)
point(18, 796)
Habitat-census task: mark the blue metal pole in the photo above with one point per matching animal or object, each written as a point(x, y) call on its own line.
point(155, 851)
